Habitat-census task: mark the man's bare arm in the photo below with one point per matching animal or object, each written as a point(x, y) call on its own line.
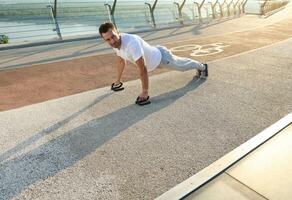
point(120, 67)
point(144, 77)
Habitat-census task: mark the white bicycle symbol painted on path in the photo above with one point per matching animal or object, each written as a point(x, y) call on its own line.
point(201, 50)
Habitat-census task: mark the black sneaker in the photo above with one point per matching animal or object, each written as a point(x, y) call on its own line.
point(203, 73)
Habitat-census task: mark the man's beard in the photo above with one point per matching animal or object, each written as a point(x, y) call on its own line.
point(115, 45)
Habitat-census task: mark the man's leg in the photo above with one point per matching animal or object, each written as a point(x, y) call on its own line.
point(180, 63)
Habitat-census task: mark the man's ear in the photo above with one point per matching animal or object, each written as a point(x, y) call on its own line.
point(116, 30)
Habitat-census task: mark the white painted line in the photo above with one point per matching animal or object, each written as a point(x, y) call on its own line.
point(205, 175)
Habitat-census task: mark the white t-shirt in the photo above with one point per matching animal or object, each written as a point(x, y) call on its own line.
point(133, 47)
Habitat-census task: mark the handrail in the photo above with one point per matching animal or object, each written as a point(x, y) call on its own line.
point(229, 4)
point(237, 5)
point(55, 8)
point(221, 7)
point(53, 11)
point(270, 6)
point(199, 6)
point(262, 7)
point(199, 11)
point(243, 3)
point(35, 20)
point(180, 7)
point(151, 9)
point(111, 11)
point(213, 8)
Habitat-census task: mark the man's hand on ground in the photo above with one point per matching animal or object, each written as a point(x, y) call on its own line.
point(143, 99)
point(117, 86)
point(143, 96)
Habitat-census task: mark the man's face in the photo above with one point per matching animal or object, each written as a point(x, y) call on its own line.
point(112, 38)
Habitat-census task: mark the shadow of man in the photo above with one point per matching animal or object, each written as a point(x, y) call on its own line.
point(56, 155)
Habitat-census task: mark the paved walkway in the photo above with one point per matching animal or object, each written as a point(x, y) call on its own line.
point(41, 82)
point(259, 169)
point(99, 144)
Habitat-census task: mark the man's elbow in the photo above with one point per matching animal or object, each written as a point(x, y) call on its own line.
point(143, 70)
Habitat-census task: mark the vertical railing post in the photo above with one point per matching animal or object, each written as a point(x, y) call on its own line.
point(213, 6)
point(199, 11)
point(237, 5)
point(151, 9)
point(243, 3)
point(263, 7)
point(55, 8)
point(111, 12)
point(199, 6)
point(231, 2)
point(234, 9)
point(213, 15)
point(53, 11)
point(221, 10)
point(179, 8)
point(221, 7)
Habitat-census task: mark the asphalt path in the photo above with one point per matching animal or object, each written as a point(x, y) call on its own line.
point(100, 145)
point(95, 144)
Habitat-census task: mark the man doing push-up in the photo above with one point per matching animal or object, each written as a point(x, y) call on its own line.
point(146, 57)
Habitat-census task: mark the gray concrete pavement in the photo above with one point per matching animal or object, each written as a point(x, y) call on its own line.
point(100, 145)
point(256, 170)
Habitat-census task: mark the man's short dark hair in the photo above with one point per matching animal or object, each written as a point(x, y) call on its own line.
point(103, 28)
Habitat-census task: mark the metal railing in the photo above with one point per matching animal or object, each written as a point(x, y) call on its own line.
point(271, 5)
point(53, 10)
point(56, 19)
point(151, 10)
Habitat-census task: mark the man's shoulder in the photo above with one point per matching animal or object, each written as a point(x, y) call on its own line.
point(129, 36)
point(130, 39)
